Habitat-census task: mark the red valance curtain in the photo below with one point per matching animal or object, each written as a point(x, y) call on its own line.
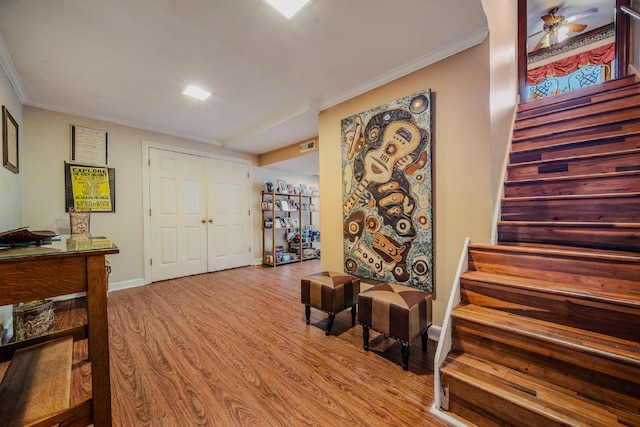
point(598, 56)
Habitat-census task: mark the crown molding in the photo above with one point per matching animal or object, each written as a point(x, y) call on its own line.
point(444, 52)
point(12, 75)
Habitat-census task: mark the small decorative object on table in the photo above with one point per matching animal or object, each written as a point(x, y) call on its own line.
point(80, 221)
point(32, 319)
point(23, 237)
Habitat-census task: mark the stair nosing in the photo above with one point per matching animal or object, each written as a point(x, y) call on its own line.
point(572, 197)
point(573, 177)
point(573, 253)
point(586, 139)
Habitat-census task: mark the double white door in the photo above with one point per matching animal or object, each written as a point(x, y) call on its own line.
point(199, 214)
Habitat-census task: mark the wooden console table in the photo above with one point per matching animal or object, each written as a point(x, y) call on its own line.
point(68, 266)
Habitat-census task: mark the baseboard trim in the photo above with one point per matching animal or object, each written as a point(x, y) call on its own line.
point(434, 332)
point(118, 286)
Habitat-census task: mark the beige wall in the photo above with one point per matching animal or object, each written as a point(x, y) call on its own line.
point(461, 155)
point(47, 137)
point(11, 183)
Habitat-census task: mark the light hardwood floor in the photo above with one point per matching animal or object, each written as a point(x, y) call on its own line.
point(232, 348)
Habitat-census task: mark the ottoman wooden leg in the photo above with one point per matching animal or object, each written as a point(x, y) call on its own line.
point(307, 312)
point(365, 337)
point(425, 340)
point(405, 356)
point(353, 315)
point(330, 324)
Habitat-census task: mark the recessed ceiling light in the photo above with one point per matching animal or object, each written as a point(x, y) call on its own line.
point(287, 7)
point(196, 92)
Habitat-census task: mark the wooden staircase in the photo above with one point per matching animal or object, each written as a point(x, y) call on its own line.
point(548, 329)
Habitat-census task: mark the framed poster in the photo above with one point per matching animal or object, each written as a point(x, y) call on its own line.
point(90, 188)
point(89, 146)
point(387, 193)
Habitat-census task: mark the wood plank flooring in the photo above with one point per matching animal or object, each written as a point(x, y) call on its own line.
point(232, 348)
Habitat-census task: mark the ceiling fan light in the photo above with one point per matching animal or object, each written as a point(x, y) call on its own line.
point(287, 7)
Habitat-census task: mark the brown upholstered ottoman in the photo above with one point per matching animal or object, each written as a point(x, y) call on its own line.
point(396, 311)
point(330, 292)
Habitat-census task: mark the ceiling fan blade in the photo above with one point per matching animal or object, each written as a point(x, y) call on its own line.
point(543, 41)
point(535, 34)
point(575, 28)
point(548, 19)
point(581, 15)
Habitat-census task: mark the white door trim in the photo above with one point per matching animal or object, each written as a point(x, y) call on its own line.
point(146, 145)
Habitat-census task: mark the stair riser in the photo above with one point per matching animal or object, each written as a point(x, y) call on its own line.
point(601, 164)
point(573, 375)
point(598, 146)
point(606, 209)
point(463, 395)
point(627, 99)
point(620, 239)
point(623, 183)
point(631, 113)
point(584, 313)
point(619, 277)
point(475, 338)
point(609, 130)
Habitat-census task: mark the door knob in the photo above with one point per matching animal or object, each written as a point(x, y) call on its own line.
point(203, 220)
point(210, 220)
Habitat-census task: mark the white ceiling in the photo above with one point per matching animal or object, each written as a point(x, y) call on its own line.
point(127, 61)
point(567, 8)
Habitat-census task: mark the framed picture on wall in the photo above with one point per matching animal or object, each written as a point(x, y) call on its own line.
point(9, 141)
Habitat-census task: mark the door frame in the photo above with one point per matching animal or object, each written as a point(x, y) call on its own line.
point(146, 204)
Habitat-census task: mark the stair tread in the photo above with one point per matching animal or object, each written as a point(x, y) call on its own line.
point(576, 224)
point(37, 382)
point(603, 106)
point(573, 197)
point(573, 177)
point(563, 251)
point(517, 146)
point(616, 349)
point(575, 158)
point(565, 289)
point(555, 402)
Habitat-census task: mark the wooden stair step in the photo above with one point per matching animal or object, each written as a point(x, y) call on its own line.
point(610, 311)
point(630, 97)
point(627, 298)
point(623, 207)
point(631, 113)
point(559, 99)
point(603, 235)
point(616, 182)
point(609, 355)
point(608, 270)
point(520, 399)
point(574, 101)
point(606, 130)
point(579, 146)
point(598, 163)
point(37, 383)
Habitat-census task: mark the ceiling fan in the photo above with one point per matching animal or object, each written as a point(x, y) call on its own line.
point(557, 27)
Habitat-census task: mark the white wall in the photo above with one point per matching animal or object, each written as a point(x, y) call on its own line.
point(11, 183)
point(47, 136)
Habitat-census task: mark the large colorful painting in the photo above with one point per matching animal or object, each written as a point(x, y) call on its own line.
point(387, 185)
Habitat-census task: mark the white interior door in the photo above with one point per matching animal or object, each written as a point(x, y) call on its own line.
point(229, 237)
point(178, 209)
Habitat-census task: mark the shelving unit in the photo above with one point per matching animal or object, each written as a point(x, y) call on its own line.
point(36, 386)
point(284, 214)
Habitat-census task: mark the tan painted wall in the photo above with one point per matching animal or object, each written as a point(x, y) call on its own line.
point(461, 153)
point(285, 153)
